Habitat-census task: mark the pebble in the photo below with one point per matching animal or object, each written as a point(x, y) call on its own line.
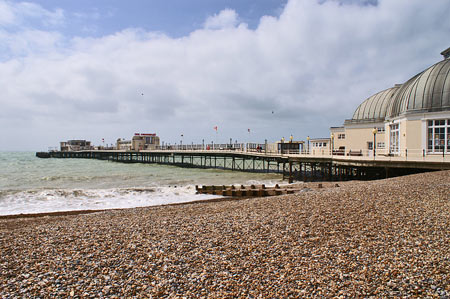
point(375, 239)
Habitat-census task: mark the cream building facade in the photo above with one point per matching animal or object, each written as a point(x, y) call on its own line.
point(75, 145)
point(409, 119)
point(144, 141)
point(319, 146)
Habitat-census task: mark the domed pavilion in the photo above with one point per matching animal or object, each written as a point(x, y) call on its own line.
point(412, 118)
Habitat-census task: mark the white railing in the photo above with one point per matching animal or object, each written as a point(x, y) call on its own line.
point(352, 154)
point(381, 155)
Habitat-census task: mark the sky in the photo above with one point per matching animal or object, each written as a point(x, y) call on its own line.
point(111, 68)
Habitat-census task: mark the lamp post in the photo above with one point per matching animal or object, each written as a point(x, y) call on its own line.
point(203, 144)
point(307, 138)
point(282, 143)
point(291, 138)
point(374, 131)
point(332, 143)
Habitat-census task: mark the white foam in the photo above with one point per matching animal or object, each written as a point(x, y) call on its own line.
point(57, 200)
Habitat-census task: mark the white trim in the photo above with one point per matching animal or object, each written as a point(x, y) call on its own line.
point(424, 135)
point(364, 125)
point(420, 116)
point(398, 143)
point(446, 140)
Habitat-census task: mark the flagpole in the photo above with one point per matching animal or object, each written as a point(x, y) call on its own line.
point(216, 128)
point(249, 139)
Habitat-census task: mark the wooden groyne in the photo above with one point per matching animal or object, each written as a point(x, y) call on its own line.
point(249, 191)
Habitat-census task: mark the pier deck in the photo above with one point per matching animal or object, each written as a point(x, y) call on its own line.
point(302, 167)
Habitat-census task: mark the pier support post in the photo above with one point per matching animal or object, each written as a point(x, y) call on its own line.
point(290, 173)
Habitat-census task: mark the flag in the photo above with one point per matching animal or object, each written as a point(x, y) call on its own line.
point(215, 128)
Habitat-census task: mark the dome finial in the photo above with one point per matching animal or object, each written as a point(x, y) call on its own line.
point(446, 53)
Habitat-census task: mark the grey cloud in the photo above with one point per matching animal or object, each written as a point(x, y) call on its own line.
point(312, 66)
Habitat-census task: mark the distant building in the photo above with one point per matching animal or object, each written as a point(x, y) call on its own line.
point(75, 145)
point(290, 146)
point(412, 118)
point(144, 141)
point(319, 146)
point(338, 140)
point(123, 145)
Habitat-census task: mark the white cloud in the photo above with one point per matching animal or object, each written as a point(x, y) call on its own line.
point(227, 18)
point(28, 29)
point(312, 66)
point(27, 13)
point(6, 14)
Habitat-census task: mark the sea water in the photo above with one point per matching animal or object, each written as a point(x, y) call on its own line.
point(32, 185)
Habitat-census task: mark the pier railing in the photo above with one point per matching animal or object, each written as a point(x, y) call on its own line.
point(382, 154)
point(295, 165)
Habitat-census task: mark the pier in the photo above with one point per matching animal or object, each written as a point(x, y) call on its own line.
point(292, 166)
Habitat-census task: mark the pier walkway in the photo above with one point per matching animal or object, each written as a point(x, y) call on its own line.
point(293, 166)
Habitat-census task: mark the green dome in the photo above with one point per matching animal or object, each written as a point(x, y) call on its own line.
point(429, 91)
point(375, 108)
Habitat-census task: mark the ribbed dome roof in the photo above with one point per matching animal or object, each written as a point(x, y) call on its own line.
point(376, 107)
point(426, 92)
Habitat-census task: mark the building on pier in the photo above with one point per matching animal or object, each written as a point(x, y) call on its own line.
point(319, 146)
point(75, 145)
point(123, 145)
point(140, 141)
point(412, 118)
point(289, 147)
point(144, 141)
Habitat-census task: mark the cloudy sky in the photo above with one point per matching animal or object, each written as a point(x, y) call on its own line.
point(111, 68)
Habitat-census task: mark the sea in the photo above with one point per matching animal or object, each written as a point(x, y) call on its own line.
point(31, 185)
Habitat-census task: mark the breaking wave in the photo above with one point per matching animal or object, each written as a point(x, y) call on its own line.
point(55, 200)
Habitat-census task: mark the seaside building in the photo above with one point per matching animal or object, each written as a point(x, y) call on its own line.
point(75, 145)
point(337, 140)
point(144, 141)
point(412, 118)
point(123, 145)
point(290, 146)
point(319, 146)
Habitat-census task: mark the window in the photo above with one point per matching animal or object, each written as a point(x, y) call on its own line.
point(381, 130)
point(370, 145)
point(380, 145)
point(341, 136)
point(394, 138)
point(438, 138)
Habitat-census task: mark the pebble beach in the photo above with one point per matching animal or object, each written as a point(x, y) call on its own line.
point(377, 239)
